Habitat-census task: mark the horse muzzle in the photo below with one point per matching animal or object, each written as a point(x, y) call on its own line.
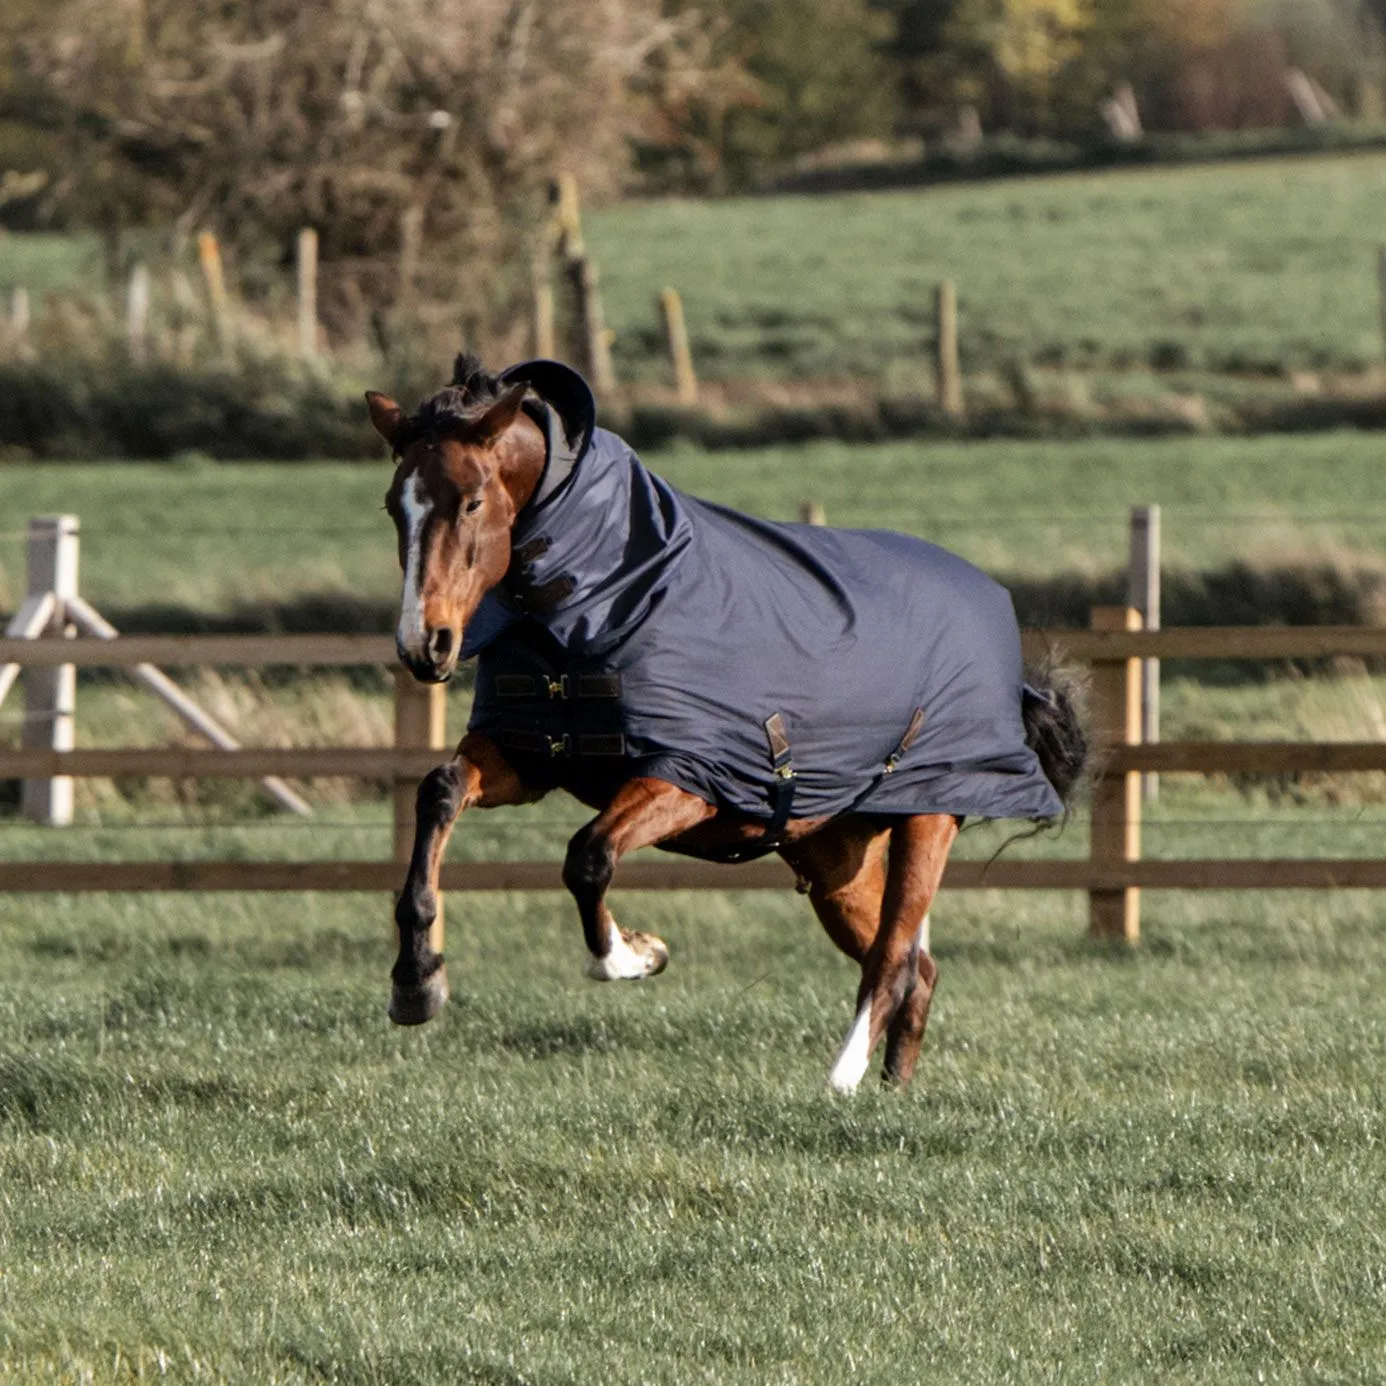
point(436, 662)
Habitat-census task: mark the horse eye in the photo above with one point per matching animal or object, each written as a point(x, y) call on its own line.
point(472, 506)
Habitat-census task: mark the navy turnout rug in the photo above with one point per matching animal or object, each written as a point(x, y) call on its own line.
point(775, 669)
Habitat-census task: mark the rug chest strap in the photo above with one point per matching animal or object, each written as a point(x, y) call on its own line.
point(781, 796)
point(891, 761)
point(782, 792)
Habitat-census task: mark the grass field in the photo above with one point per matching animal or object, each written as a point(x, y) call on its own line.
point(218, 1161)
point(47, 262)
point(1256, 266)
point(208, 537)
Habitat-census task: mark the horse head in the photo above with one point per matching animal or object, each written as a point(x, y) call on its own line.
point(468, 461)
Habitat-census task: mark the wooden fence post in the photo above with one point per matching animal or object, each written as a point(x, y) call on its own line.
point(137, 314)
point(50, 695)
point(308, 293)
point(596, 340)
point(680, 353)
point(811, 512)
point(214, 276)
point(421, 711)
point(1143, 592)
point(1115, 716)
point(568, 216)
point(410, 250)
point(949, 372)
point(19, 320)
point(584, 283)
point(541, 281)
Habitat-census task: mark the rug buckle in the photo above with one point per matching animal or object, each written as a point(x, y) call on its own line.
point(560, 745)
point(558, 688)
point(906, 741)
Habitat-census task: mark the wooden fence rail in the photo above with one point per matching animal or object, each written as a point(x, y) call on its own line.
point(1257, 643)
point(1112, 874)
point(53, 877)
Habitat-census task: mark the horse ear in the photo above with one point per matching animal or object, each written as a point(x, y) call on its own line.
point(501, 414)
point(386, 415)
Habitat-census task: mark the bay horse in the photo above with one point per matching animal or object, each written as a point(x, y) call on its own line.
point(708, 683)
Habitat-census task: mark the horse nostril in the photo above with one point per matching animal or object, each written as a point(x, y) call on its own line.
point(440, 644)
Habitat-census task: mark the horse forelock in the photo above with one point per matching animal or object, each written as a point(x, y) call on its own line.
point(450, 411)
point(454, 408)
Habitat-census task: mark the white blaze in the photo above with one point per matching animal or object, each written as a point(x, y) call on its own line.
point(416, 507)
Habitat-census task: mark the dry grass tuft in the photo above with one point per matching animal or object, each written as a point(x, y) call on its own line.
point(328, 710)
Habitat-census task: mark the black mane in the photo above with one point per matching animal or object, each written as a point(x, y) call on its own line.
point(453, 407)
point(472, 379)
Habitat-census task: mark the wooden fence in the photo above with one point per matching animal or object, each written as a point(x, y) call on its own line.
point(1113, 874)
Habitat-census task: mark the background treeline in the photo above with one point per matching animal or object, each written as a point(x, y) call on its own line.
point(818, 73)
point(420, 137)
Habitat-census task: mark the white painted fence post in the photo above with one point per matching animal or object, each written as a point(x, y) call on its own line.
point(53, 608)
point(1143, 593)
point(50, 695)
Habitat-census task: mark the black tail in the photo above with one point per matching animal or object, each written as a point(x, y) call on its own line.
point(1050, 708)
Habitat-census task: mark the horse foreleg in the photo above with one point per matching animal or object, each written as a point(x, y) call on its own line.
point(898, 975)
point(643, 812)
point(478, 776)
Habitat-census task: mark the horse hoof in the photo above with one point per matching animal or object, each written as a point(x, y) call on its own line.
point(656, 950)
point(414, 1005)
point(631, 958)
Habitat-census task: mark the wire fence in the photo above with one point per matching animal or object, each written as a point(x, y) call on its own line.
point(1190, 516)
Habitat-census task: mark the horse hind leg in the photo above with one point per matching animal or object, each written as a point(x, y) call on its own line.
point(905, 1033)
point(845, 868)
point(898, 975)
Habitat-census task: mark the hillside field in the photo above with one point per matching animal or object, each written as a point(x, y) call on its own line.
point(1258, 266)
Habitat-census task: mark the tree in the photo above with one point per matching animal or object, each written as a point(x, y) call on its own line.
point(788, 77)
point(418, 136)
point(1020, 49)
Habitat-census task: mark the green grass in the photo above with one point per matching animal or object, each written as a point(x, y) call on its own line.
point(45, 262)
point(217, 1160)
point(209, 537)
point(1257, 266)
